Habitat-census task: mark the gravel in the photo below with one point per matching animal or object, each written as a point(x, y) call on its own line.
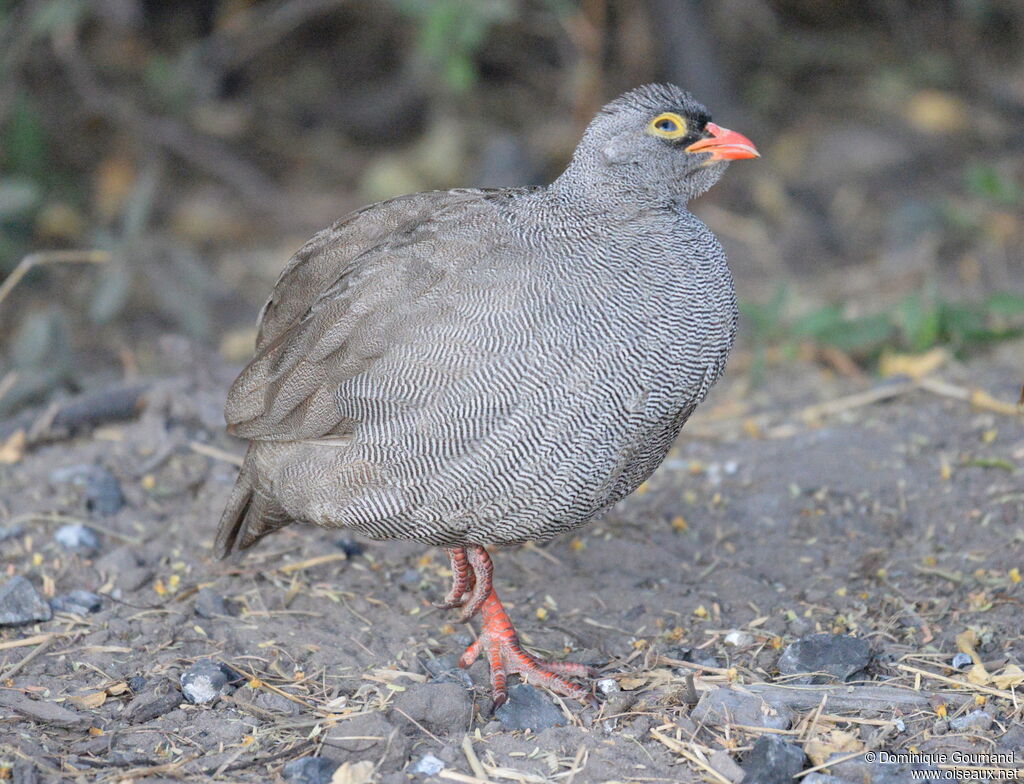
point(427, 765)
point(78, 602)
point(204, 682)
point(975, 720)
point(722, 706)
point(78, 538)
point(209, 604)
point(528, 708)
point(443, 708)
point(772, 761)
point(20, 603)
point(310, 770)
point(831, 656)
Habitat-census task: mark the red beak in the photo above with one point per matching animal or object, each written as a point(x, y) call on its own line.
point(725, 145)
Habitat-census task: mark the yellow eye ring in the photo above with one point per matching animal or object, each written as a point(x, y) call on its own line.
point(667, 125)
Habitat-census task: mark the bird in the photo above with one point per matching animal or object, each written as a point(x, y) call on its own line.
point(474, 368)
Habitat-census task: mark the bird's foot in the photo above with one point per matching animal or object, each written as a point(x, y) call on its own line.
point(499, 641)
point(471, 574)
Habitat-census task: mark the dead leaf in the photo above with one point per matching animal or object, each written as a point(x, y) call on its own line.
point(89, 701)
point(820, 749)
point(913, 366)
point(354, 773)
point(936, 112)
point(628, 684)
point(1009, 677)
point(13, 448)
point(965, 642)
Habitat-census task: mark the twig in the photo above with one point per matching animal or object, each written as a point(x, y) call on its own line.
point(16, 668)
point(67, 417)
point(1006, 695)
point(50, 257)
point(857, 400)
point(471, 758)
point(215, 453)
point(976, 397)
point(33, 640)
point(680, 748)
point(315, 561)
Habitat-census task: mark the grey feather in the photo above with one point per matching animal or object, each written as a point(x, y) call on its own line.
point(488, 367)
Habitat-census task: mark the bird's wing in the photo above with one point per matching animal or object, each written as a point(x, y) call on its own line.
point(348, 300)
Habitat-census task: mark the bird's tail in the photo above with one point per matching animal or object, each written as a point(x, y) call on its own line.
point(248, 515)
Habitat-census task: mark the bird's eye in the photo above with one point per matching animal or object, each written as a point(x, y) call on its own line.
point(668, 126)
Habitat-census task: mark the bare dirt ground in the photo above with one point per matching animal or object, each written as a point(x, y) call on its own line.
point(898, 521)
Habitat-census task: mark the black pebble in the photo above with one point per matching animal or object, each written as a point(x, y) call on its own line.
point(310, 770)
point(772, 761)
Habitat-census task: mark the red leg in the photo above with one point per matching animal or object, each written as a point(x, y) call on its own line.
point(462, 579)
point(499, 641)
point(480, 563)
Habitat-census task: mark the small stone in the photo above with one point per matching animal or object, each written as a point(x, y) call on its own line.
point(103, 496)
point(859, 769)
point(608, 686)
point(772, 761)
point(722, 706)
point(126, 568)
point(310, 770)
point(528, 708)
point(350, 546)
point(137, 683)
point(823, 778)
point(962, 661)
point(442, 707)
point(25, 773)
point(155, 699)
point(722, 761)
point(446, 668)
point(369, 736)
point(78, 602)
point(830, 656)
point(210, 604)
point(20, 603)
point(204, 682)
point(739, 639)
point(428, 765)
point(692, 655)
point(941, 727)
point(975, 720)
point(10, 531)
point(78, 538)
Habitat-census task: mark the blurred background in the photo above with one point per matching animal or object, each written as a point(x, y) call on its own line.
point(198, 143)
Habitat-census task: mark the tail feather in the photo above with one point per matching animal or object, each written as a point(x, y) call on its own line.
point(232, 520)
point(248, 516)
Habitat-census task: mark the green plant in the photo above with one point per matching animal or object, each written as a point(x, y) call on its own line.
point(917, 323)
point(451, 32)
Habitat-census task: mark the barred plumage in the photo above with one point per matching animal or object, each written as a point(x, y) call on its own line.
point(488, 367)
point(475, 367)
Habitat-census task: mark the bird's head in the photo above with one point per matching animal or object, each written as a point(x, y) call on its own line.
point(656, 143)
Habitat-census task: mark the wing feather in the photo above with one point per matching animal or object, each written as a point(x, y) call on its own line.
point(341, 304)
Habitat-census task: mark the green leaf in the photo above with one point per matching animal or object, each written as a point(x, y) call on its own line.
point(920, 323)
point(859, 335)
point(818, 322)
point(24, 140)
point(986, 181)
point(1005, 304)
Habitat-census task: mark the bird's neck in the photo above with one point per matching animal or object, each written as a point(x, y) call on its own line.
point(590, 187)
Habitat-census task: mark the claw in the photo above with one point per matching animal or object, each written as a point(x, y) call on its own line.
point(500, 642)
